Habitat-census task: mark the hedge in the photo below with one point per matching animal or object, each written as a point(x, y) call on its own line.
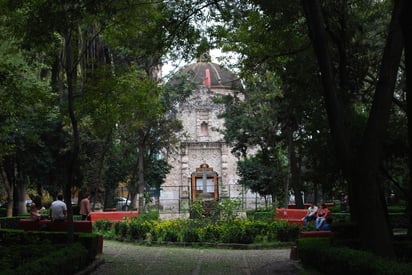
point(318, 253)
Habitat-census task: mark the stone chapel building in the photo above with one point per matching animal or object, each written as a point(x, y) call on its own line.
point(204, 166)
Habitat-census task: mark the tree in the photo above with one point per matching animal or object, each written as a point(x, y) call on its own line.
point(25, 112)
point(406, 22)
point(347, 44)
point(361, 169)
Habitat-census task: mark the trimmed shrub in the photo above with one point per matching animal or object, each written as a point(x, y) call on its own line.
point(138, 228)
point(267, 216)
point(403, 250)
point(65, 260)
point(102, 225)
point(190, 232)
point(319, 254)
point(210, 233)
point(12, 222)
point(26, 248)
point(287, 232)
point(120, 229)
point(167, 231)
point(239, 231)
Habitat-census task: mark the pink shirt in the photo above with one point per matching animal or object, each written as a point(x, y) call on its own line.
point(84, 206)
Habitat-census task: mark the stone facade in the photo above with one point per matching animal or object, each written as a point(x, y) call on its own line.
point(203, 144)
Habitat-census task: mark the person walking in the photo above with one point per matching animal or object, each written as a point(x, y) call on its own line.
point(85, 207)
point(58, 209)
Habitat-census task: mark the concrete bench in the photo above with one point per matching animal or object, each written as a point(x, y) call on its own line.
point(113, 216)
point(60, 226)
point(292, 216)
point(316, 234)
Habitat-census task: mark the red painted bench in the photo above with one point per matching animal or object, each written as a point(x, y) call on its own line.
point(309, 234)
point(306, 205)
point(113, 216)
point(61, 226)
point(292, 216)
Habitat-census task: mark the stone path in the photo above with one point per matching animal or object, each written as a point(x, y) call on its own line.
point(125, 258)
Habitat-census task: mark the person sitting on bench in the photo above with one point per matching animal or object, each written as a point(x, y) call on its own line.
point(326, 224)
point(311, 214)
point(322, 214)
point(58, 209)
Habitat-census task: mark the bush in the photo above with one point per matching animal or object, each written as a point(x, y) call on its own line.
point(239, 231)
point(26, 248)
point(287, 232)
point(12, 222)
point(65, 260)
point(398, 220)
point(139, 228)
point(403, 250)
point(197, 211)
point(167, 231)
point(267, 215)
point(210, 233)
point(327, 259)
point(149, 216)
point(102, 226)
point(190, 232)
point(120, 229)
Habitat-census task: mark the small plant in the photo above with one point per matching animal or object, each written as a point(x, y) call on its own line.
point(228, 209)
point(287, 232)
point(197, 211)
point(102, 226)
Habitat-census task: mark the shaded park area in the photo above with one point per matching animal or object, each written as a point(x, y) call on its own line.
point(114, 107)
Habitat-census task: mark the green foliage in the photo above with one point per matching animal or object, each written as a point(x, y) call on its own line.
point(27, 251)
point(236, 231)
point(210, 233)
point(319, 254)
point(227, 209)
point(263, 215)
point(12, 222)
point(403, 250)
point(168, 231)
point(65, 259)
point(149, 216)
point(287, 232)
point(120, 229)
point(102, 225)
point(196, 210)
point(398, 220)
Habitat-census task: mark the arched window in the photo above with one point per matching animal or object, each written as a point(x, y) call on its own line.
point(204, 128)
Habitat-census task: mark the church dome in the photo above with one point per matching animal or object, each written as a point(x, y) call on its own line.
point(210, 75)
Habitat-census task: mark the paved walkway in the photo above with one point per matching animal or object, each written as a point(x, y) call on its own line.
point(126, 258)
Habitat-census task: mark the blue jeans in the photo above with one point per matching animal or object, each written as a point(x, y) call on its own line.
point(309, 218)
point(319, 222)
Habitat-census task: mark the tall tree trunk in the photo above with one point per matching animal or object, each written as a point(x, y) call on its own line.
point(294, 171)
point(9, 186)
point(20, 198)
point(73, 160)
point(367, 206)
point(406, 21)
point(141, 179)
